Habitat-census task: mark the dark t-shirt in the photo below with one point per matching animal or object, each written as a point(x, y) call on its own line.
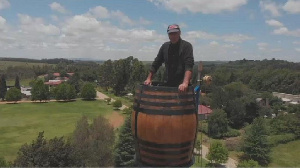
point(174, 77)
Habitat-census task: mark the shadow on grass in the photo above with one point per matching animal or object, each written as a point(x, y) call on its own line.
point(88, 99)
point(64, 101)
point(39, 102)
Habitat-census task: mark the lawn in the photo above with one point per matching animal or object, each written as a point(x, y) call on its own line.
point(198, 163)
point(21, 123)
point(125, 100)
point(286, 155)
point(23, 82)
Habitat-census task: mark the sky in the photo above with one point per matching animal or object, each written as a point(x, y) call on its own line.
point(219, 30)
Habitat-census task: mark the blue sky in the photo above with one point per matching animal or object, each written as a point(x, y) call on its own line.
point(114, 29)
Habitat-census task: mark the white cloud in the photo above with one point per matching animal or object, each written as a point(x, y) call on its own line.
point(99, 12)
point(143, 21)
point(203, 6)
point(236, 38)
point(2, 23)
point(262, 46)
point(122, 17)
point(292, 6)
point(274, 23)
point(58, 7)
point(297, 49)
point(270, 6)
point(286, 31)
point(30, 24)
point(213, 43)
point(296, 42)
point(4, 4)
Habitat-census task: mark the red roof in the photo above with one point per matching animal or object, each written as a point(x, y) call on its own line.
point(204, 109)
point(53, 83)
point(56, 74)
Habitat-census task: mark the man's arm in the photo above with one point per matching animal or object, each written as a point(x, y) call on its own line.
point(155, 65)
point(187, 77)
point(189, 63)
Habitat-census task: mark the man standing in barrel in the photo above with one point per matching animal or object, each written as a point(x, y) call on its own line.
point(177, 54)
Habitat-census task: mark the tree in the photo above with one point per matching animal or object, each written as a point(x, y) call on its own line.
point(65, 91)
point(125, 148)
point(217, 123)
point(105, 79)
point(248, 163)
point(255, 143)
point(94, 143)
point(42, 153)
point(117, 104)
point(236, 112)
point(13, 94)
point(217, 153)
point(3, 87)
point(39, 91)
point(88, 92)
point(75, 81)
point(17, 83)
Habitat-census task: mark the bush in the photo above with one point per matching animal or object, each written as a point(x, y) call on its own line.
point(13, 94)
point(203, 127)
point(117, 104)
point(275, 140)
point(3, 162)
point(233, 144)
point(232, 133)
point(248, 163)
point(108, 99)
point(88, 92)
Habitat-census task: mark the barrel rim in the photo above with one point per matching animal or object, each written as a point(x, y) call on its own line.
point(162, 88)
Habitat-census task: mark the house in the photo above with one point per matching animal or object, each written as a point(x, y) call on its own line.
point(203, 112)
point(58, 79)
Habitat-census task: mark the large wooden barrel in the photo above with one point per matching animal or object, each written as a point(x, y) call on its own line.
point(164, 124)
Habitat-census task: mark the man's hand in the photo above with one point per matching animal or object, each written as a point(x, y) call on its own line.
point(148, 82)
point(183, 87)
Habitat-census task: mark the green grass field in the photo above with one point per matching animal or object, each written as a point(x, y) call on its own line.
point(21, 123)
point(286, 155)
point(5, 64)
point(23, 82)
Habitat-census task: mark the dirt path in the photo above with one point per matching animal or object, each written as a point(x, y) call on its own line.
point(115, 119)
point(102, 96)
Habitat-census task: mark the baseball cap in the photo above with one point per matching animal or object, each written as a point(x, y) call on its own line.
point(173, 28)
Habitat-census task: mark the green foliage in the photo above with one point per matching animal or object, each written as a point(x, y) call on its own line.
point(94, 143)
point(17, 83)
point(3, 162)
point(3, 88)
point(39, 91)
point(203, 127)
point(289, 123)
point(65, 91)
point(108, 99)
point(248, 163)
point(13, 94)
point(43, 153)
point(117, 104)
point(217, 123)
point(217, 153)
point(75, 81)
point(88, 92)
point(231, 133)
point(275, 140)
point(125, 148)
point(256, 145)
